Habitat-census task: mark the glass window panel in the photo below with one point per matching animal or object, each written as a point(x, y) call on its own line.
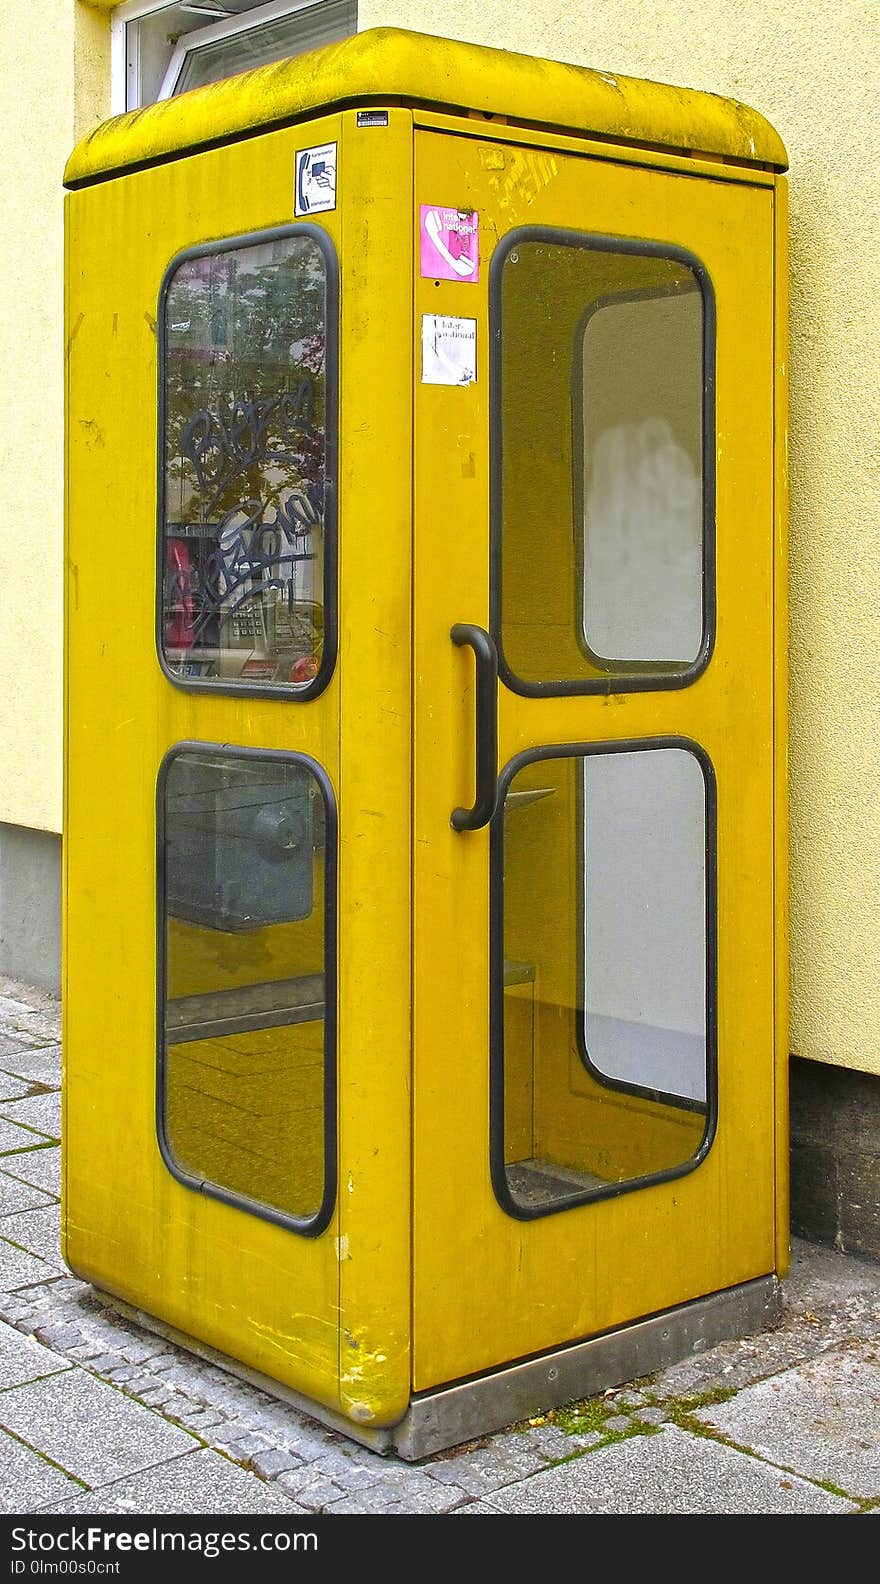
point(248, 1060)
point(642, 477)
point(602, 503)
point(602, 1015)
point(245, 498)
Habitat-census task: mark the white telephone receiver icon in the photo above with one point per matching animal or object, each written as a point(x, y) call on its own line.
point(462, 266)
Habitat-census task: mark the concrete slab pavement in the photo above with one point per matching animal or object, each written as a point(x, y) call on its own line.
point(99, 1415)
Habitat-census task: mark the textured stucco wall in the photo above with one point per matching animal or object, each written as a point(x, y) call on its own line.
point(812, 69)
point(55, 87)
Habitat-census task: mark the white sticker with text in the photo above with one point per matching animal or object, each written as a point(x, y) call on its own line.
point(449, 350)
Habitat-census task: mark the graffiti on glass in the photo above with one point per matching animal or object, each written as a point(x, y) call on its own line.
point(245, 460)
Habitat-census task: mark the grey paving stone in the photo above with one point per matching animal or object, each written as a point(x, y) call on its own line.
point(34, 995)
point(486, 1468)
point(96, 1333)
point(162, 1359)
point(41, 1167)
point(24, 1359)
point(60, 1337)
point(42, 1112)
point(313, 1494)
point(346, 1460)
point(39, 1305)
point(160, 1397)
point(27, 1481)
point(392, 1496)
point(280, 1424)
point(549, 1441)
point(19, 1269)
point(198, 1482)
point(822, 1420)
point(39, 1231)
point(40, 1063)
point(652, 1416)
point(357, 1477)
point(106, 1361)
point(14, 1045)
point(13, 1087)
point(13, 1137)
point(476, 1509)
point(11, 1008)
point(89, 1428)
point(16, 1195)
point(627, 1400)
point(42, 1025)
point(136, 1386)
point(583, 1440)
point(617, 1422)
point(670, 1472)
point(202, 1421)
point(275, 1460)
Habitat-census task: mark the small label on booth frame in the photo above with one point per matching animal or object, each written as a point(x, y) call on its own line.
point(315, 180)
point(449, 350)
point(449, 243)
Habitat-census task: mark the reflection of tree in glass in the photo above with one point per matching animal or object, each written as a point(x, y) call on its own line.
point(245, 428)
point(245, 377)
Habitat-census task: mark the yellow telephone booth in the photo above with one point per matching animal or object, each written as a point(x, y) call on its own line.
point(425, 944)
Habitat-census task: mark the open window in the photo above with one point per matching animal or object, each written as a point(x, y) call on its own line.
point(160, 50)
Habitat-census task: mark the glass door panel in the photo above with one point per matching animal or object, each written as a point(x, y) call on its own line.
point(603, 972)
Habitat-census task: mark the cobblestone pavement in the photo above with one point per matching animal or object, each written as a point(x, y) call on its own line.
point(98, 1415)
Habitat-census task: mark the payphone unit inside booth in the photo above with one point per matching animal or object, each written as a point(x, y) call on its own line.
point(425, 948)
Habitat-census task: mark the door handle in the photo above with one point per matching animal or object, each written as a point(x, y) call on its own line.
point(486, 659)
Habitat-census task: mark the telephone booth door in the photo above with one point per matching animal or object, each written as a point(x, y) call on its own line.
point(594, 516)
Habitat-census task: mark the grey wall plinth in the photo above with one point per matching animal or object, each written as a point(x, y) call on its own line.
point(835, 1157)
point(30, 906)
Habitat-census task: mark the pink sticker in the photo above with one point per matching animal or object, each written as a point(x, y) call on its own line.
point(450, 243)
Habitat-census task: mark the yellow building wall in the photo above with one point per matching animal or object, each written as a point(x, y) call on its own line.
point(54, 67)
point(812, 69)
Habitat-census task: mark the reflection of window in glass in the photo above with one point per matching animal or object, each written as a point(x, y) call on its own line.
point(247, 1062)
point(602, 502)
point(644, 900)
point(245, 472)
point(603, 1051)
point(642, 477)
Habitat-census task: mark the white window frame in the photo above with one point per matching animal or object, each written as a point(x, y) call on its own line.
point(226, 28)
point(122, 71)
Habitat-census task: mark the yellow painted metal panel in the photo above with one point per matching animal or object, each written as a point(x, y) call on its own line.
point(385, 64)
point(719, 168)
point(780, 710)
point(376, 726)
point(535, 1285)
point(246, 1286)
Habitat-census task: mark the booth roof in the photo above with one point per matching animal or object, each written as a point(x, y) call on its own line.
point(386, 66)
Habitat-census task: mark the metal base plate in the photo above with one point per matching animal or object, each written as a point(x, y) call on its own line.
point(468, 1409)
